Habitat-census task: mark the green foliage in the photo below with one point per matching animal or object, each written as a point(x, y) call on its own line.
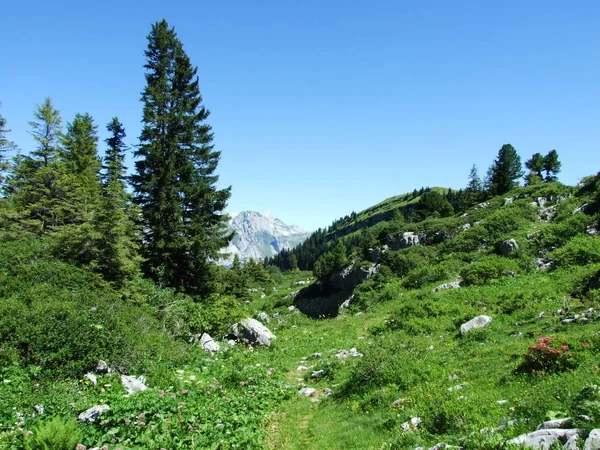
point(489, 269)
point(215, 314)
point(505, 171)
point(333, 261)
point(551, 165)
point(5, 146)
point(580, 250)
point(56, 434)
point(432, 203)
point(548, 356)
point(175, 180)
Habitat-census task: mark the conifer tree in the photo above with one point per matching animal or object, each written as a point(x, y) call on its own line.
point(535, 165)
point(118, 258)
point(474, 190)
point(175, 180)
point(5, 147)
point(551, 166)
point(505, 171)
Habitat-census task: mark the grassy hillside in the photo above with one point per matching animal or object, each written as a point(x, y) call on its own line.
point(538, 359)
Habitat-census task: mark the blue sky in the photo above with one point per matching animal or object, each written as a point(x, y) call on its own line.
point(325, 107)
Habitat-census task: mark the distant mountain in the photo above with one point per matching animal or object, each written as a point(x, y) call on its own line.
point(261, 234)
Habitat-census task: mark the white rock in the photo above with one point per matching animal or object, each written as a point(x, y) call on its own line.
point(442, 287)
point(593, 440)
point(307, 392)
point(208, 344)
point(39, 409)
point(89, 415)
point(291, 308)
point(301, 369)
point(252, 331)
point(263, 317)
point(102, 367)
point(317, 373)
point(543, 439)
point(133, 384)
point(411, 425)
point(556, 423)
point(478, 322)
point(93, 379)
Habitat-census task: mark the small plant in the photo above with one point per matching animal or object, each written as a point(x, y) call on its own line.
point(58, 434)
point(547, 356)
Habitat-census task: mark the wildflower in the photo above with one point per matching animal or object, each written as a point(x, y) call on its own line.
point(173, 396)
point(140, 424)
point(21, 424)
point(242, 383)
point(140, 416)
point(250, 380)
point(185, 392)
point(127, 421)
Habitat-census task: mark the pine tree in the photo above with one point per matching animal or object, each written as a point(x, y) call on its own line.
point(5, 147)
point(474, 190)
point(535, 165)
point(505, 171)
point(175, 182)
point(118, 259)
point(551, 166)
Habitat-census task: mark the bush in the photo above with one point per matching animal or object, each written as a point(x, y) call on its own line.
point(58, 434)
point(578, 251)
point(547, 356)
point(487, 270)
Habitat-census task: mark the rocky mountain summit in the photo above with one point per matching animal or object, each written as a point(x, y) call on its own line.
point(261, 234)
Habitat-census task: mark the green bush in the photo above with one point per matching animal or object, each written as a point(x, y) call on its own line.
point(57, 434)
point(491, 268)
point(215, 314)
point(581, 250)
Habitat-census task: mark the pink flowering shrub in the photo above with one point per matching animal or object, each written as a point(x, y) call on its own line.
point(547, 356)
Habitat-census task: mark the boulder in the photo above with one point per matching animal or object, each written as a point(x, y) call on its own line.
point(102, 367)
point(411, 425)
point(478, 322)
point(543, 263)
point(208, 344)
point(543, 439)
point(547, 214)
point(251, 331)
point(39, 409)
point(556, 423)
point(442, 287)
point(92, 378)
point(90, 415)
point(405, 240)
point(593, 440)
point(508, 247)
point(133, 384)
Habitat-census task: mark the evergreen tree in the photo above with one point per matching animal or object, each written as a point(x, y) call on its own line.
point(506, 170)
point(184, 227)
point(535, 165)
point(551, 166)
point(118, 259)
point(474, 190)
point(36, 181)
point(5, 146)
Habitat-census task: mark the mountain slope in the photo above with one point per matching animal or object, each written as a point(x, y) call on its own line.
point(261, 234)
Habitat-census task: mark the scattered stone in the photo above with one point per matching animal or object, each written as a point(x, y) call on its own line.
point(314, 400)
point(458, 387)
point(93, 379)
point(592, 230)
point(543, 439)
point(102, 367)
point(572, 443)
point(581, 208)
point(231, 342)
point(355, 354)
point(593, 440)
point(316, 355)
point(483, 205)
point(133, 384)
point(208, 344)
point(263, 295)
point(478, 322)
point(291, 308)
point(411, 425)
point(431, 347)
point(307, 392)
point(301, 369)
point(263, 316)
point(90, 415)
point(567, 321)
point(502, 402)
point(327, 392)
point(557, 423)
point(452, 285)
point(508, 247)
point(343, 354)
point(405, 240)
point(543, 263)
point(508, 201)
point(547, 214)
point(317, 373)
point(251, 331)
point(541, 315)
point(39, 409)
point(397, 403)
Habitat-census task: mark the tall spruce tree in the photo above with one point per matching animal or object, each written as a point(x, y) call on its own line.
point(175, 180)
point(118, 259)
point(505, 171)
point(474, 190)
point(535, 164)
point(5, 146)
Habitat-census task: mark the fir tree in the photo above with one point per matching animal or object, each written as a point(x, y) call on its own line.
point(118, 259)
point(5, 147)
point(535, 164)
point(551, 165)
point(474, 190)
point(184, 227)
point(505, 171)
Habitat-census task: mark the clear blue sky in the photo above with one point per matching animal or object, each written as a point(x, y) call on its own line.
point(325, 107)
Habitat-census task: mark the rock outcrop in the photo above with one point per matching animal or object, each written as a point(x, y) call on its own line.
point(252, 332)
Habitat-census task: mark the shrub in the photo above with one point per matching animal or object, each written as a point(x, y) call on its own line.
point(546, 356)
point(579, 251)
point(58, 434)
point(488, 269)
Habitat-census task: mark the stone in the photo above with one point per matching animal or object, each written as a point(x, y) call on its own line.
point(301, 369)
point(451, 285)
point(593, 440)
point(251, 331)
point(556, 423)
point(592, 230)
point(102, 367)
point(458, 387)
point(572, 443)
point(92, 378)
point(508, 201)
point(509, 247)
point(478, 322)
point(133, 384)
point(547, 214)
point(543, 439)
point(263, 317)
point(90, 415)
point(411, 425)
point(208, 344)
point(317, 373)
point(291, 308)
point(307, 392)
point(581, 208)
point(355, 354)
point(397, 403)
point(39, 409)
point(405, 240)
point(543, 263)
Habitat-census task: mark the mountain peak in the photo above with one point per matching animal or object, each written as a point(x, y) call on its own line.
point(260, 235)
